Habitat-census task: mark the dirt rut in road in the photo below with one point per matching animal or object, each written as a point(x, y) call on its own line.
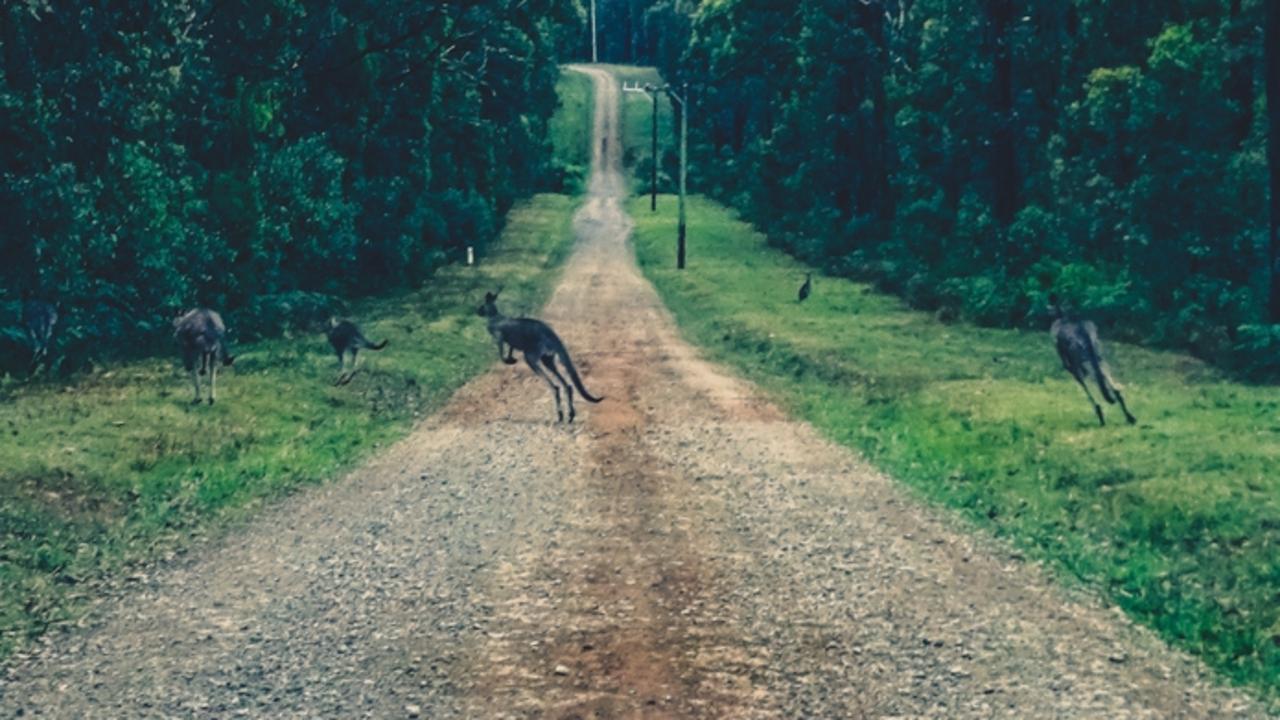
point(617, 612)
point(684, 551)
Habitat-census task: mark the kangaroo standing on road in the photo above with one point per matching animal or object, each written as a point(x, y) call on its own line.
point(540, 344)
point(1081, 354)
point(200, 334)
point(38, 320)
point(346, 339)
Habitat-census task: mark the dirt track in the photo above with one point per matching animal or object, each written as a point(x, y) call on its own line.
point(684, 551)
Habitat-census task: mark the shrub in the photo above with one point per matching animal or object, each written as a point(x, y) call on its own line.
point(1257, 352)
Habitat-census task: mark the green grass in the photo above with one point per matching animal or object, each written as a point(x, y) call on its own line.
point(570, 129)
point(118, 468)
point(1176, 520)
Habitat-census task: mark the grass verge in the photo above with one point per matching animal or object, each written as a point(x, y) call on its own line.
point(1176, 520)
point(119, 469)
point(570, 130)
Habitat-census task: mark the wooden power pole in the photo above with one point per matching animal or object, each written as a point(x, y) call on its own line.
point(683, 99)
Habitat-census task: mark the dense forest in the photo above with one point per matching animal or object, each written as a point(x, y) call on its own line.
point(261, 156)
point(970, 155)
point(973, 155)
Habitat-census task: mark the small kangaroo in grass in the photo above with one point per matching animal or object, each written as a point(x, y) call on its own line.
point(38, 320)
point(346, 339)
point(806, 288)
point(1081, 353)
point(540, 344)
point(201, 337)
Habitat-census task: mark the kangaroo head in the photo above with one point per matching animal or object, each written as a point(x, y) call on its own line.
point(1056, 307)
point(490, 306)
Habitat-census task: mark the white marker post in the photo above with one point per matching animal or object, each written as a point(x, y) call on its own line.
point(471, 255)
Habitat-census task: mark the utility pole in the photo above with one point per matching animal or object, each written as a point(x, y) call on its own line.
point(652, 92)
point(683, 99)
point(653, 153)
point(594, 59)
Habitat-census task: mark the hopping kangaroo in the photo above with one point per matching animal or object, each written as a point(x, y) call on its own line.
point(540, 344)
point(200, 334)
point(38, 320)
point(1081, 354)
point(346, 339)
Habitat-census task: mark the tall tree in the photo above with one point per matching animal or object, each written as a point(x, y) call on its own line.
point(1272, 54)
point(1004, 157)
point(222, 151)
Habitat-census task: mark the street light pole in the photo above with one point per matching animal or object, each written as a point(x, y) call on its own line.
point(653, 154)
point(594, 59)
point(683, 99)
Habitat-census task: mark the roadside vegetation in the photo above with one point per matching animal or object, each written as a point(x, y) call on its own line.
point(570, 131)
point(245, 156)
point(105, 471)
point(117, 468)
point(971, 156)
point(1175, 520)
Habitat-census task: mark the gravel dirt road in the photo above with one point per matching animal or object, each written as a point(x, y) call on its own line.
point(684, 551)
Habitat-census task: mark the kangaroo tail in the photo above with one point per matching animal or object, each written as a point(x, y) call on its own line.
point(573, 375)
point(375, 346)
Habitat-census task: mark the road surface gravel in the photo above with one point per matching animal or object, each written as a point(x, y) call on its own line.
point(684, 551)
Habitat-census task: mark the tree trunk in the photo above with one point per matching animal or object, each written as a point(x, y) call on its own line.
point(1272, 55)
point(1239, 85)
point(845, 147)
point(878, 195)
point(1004, 159)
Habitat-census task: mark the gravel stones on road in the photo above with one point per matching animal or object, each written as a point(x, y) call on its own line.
point(685, 551)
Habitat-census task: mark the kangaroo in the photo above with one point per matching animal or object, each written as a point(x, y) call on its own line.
point(200, 334)
point(806, 288)
point(38, 320)
point(346, 339)
point(1081, 354)
point(540, 344)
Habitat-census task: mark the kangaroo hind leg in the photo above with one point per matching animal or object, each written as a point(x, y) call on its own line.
point(195, 380)
point(213, 379)
point(533, 365)
point(342, 367)
point(550, 362)
point(1120, 399)
point(1096, 407)
point(351, 373)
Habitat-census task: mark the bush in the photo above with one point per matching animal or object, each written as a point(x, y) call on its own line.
point(1257, 352)
point(297, 311)
point(983, 300)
